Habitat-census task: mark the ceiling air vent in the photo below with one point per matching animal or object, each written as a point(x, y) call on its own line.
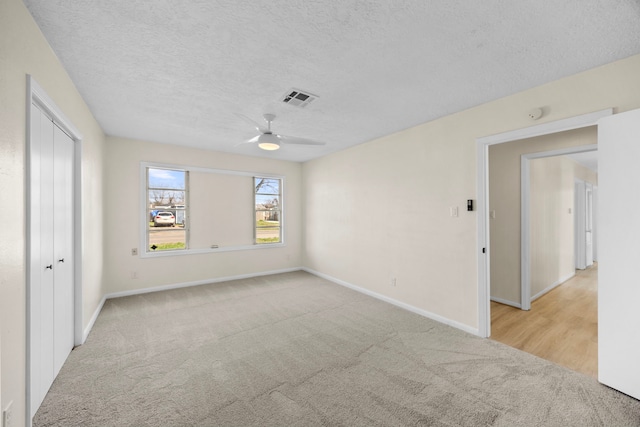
point(298, 98)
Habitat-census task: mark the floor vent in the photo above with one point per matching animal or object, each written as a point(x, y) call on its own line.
point(298, 98)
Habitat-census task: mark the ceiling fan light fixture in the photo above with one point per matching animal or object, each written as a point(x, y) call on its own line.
point(269, 142)
point(269, 146)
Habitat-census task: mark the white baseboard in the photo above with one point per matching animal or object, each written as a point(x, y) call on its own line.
point(197, 283)
point(93, 319)
point(397, 303)
point(507, 302)
point(553, 285)
point(376, 295)
point(87, 330)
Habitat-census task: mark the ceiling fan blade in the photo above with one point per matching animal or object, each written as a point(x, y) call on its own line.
point(299, 141)
point(249, 141)
point(253, 123)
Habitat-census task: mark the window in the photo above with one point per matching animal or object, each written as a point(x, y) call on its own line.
point(195, 210)
point(166, 209)
point(268, 206)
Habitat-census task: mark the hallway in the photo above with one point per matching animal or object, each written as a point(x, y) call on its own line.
point(562, 325)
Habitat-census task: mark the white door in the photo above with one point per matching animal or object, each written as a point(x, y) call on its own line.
point(62, 248)
point(588, 226)
point(41, 271)
point(51, 253)
point(619, 253)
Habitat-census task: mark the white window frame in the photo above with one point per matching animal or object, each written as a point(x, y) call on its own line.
point(280, 210)
point(186, 210)
point(143, 210)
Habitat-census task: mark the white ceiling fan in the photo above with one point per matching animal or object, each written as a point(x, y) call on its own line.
point(267, 140)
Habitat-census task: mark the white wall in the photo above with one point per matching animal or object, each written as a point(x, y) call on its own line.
point(552, 219)
point(122, 225)
point(504, 199)
point(382, 208)
point(23, 50)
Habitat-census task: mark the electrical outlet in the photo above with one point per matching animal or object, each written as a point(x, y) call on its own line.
point(7, 416)
point(453, 211)
point(134, 251)
point(134, 274)
point(392, 282)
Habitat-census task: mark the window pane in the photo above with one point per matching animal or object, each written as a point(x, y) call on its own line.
point(167, 217)
point(268, 210)
point(267, 185)
point(267, 202)
point(166, 209)
point(273, 222)
point(268, 235)
point(166, 240)
point(168, 198)
point(167, 179)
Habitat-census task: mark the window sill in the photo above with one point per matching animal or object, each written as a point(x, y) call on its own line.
point(211, 250)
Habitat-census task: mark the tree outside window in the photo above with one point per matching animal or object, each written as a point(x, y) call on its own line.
point(166, 209)
point(268, 209)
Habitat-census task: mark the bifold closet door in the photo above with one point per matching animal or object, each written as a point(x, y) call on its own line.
point(42, 277)
point(51, 253)
point(62, 247)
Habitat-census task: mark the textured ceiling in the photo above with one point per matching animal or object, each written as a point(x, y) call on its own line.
point(178, 71)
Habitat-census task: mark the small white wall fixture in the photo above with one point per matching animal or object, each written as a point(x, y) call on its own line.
point(525, 214)
point(482, 188)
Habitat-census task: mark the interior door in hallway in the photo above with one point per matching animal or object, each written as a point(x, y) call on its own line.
point(51, 253)
point(580, 224)
point(588, 214)
point(619, 252)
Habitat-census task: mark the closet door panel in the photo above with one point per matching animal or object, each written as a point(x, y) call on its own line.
point(46, 254)
point(51, 286)
point(63, 247)
point(36, 266)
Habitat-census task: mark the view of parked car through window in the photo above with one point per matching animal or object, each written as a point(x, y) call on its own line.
point(222, 219)
point(164, 218)
point(167, 209)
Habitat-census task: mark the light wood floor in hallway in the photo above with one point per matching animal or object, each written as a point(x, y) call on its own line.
point(562, 325)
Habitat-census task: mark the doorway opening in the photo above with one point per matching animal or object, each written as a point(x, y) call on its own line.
point(557, 317)
point(484, 249)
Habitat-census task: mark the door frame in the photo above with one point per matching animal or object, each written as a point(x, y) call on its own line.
point(482, 190)
point(595, 223)
point(588, 216)
point(525, 214)
point(36, 94)
point(579, 238)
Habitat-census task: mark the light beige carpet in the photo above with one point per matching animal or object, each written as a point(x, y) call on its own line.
point(296, 350)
